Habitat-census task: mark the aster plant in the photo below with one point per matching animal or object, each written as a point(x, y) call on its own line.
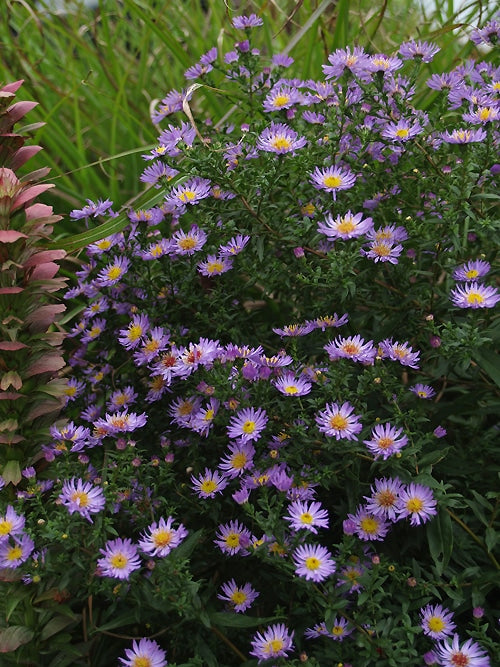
point(245, 454)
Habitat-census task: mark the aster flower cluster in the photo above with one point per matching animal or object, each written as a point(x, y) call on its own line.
point(243, 423)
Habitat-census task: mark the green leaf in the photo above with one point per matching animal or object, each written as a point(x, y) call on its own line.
point(14, 637)
point(489, 362)
point(228, 620)
point(440, 539)
point(55, 625)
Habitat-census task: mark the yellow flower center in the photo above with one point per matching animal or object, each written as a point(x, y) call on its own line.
point(337, 630)
point(312, 563)
point(80, 498)
point(208, 486)
point(369, 525)
point(14, 553)
point(238, 597)
point(185, 409)
point(291, 389)
point(70, 391)
point(104, 244)
point(214, 267)
point(162, 538)
point(472, 273)
point(232, 540)
point(141, 661)
point(332, 181)
point(414, 505)
point(5, 527)
point(281, 100)
point(239, 460)
point(134, 332)
point(151, 346)
point(119, 561)
point(460, 659)
point(475, 297)
point(306, 517)
point(346, 226)
point(436, 624)
point(187, 243)
point(249, 426)
point(94, 332)
point(485, 113)
point(381, 249)
point(402, 133)
point(385, 443)
point(114, 272)
point(274, 646)
point(187, 195)
point(280, 143)
point(350, 348)
point(338, 422)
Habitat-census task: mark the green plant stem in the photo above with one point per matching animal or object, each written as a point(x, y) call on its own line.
point(476, 539)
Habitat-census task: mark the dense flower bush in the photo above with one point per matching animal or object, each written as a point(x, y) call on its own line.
point(278, 442)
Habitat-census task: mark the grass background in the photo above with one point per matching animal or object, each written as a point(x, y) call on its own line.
point(96, 72)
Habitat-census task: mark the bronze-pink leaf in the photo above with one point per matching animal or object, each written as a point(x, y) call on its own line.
point(49, 363)
point(11, 379)
point(11, 236)
point(44, 271)
point(38, 210)
point(12, 87)
point(11, 345)
point(11, 290)
point(20, 109)
point(44, 408)
point(44, 256)
point(42, 317)
point(10, 395)
point(22, 155)
point(30, 193)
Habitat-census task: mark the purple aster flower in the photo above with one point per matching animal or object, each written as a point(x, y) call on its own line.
point(293, 330)
point(352, 347)
point(384, 498)
point(279, 138)
point(14, 554)
point(313, 562)
point(144, 653)
point(379, 62)
point(244, 22)
point(208, 484)
point(238, 459)
point(289, 385)
point(396, 351)
point(328, 321)
point(11, 524)
point(439, 432)
point(190, 192)
point(82, 497)
point(401, 131)
point(281, 97)
point(93, 209)
point(247, 424)
point(418, 503)
point(489, 34)
point(483, 114)
point(423, 390)
point(469, 654)
point(436, 622)
point(94, 331)
point(158, 174)
point(318, 630)
point(467, 136)
point(357, 61)
point(187, 243)
point(313, 117)
point(347, 226)
point(338, 421)
point(215, 266)
point(151, 347)
point(234, 246)
point(306, 516)
point(472, 270)
point(332, 179)
point(239, 598)
point(120, 559)
point(113, 272)
point(368, 526)
point(275, 642)
point(233, 538)
point(282, 60)
point(382, 251)
point(161, 537)
point(170, 104)
point(350, 574)
point(418, 50)
point(340, 629)
point(385, 441)
point(474, 295)
point(131, 337)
